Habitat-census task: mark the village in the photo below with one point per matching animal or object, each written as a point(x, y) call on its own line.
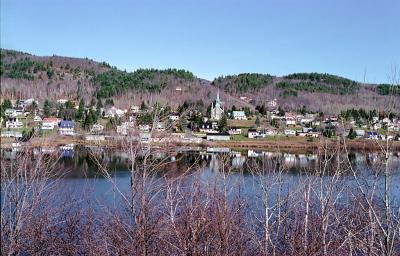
point(24, 118)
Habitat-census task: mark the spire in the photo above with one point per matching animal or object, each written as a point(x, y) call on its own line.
point(218, 95)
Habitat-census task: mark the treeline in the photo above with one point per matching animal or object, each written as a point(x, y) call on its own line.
point(113, 82)
point(388, 89)
point(25, 68)
point(361, 114)
point(291, 88)
point(243, 82)
point(325, 78)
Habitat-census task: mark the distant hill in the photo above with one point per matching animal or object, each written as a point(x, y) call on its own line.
point(53, 77)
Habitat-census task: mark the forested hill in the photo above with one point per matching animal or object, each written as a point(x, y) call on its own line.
point(24, 75)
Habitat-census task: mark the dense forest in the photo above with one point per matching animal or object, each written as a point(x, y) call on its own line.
point(388, 89)
point(243, 82)
point(114, 82)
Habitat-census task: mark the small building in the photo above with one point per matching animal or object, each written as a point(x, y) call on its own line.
point(67, 128)
point(114, 112)
point(10, 112)
point(145, 137)
point(160, 126)
point(373, 135)
point(360, 133)
point(11, 134)
point(207, 127)
point(290, 122)
point(218, 136)
point(239, 115)
point(289, 132)
point(144, 127)
point(135, 109)
point(174, 116)
point(125, 128)
point(49, 123)
point(97, 128)
point(62, 101)
point(235, 131)
point(13, 123)
point(254, 134)
point(37, 119)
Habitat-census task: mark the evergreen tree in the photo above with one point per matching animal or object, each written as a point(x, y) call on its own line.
point(223, 124)
point(258, 122)
point(143, 106)
point(352, 134)
point(47, 108)
point(81, 111)
point(89, 120)
point(99, 106)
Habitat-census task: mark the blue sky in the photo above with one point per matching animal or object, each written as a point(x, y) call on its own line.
point(212, 38)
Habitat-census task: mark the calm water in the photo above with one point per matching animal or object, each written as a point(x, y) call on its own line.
point(247, 169)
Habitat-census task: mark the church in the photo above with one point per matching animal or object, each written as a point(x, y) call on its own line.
point(216, 111)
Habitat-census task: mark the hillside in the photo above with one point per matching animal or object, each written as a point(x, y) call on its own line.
point(53, 77)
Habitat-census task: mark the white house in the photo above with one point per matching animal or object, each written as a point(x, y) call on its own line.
point(235, 131)
point(218, 136)
point(113, 112)
point(254, 134)
point(126, 127)
point(10, 112)
point(207, 127)
point(174, 116)
point(360, 133)
point(14, 123)
point(135, 109)
point(290, 122)
point(160, 126)
point(62, 101)
point(289, 132)
point(97, 128)
point(239, 115)
point(49, 123)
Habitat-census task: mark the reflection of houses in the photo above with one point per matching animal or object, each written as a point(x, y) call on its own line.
point(214, 163)
point(238, 161)
point(254, 153)
point(11, 134)
point(289, 159)
point(67, 151)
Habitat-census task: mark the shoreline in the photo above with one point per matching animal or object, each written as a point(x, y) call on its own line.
point(293, 144)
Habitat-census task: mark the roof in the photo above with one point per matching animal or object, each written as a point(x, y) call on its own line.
point(67, 124)
point(50, 119)
point(218, 134)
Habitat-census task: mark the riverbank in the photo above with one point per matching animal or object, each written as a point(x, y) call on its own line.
point(290, 144)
